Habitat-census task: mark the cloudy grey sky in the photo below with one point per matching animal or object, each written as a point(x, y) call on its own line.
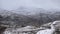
point(14, 4)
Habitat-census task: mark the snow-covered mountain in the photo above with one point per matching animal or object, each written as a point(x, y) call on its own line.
point(5, 12)
point(28, 11)
point(29, 16)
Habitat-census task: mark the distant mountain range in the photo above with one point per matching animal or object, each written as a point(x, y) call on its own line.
point(28, 11)
point(28, 16)
point(33, 11)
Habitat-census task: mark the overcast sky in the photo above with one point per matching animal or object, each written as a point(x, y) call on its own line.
point(14, 4)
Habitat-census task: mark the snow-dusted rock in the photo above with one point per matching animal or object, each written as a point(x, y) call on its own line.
point(50, 31)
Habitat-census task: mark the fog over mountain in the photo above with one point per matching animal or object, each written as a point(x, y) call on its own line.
point(45, 4)
point(30, 7)
point(28, 11)
point(33, 11)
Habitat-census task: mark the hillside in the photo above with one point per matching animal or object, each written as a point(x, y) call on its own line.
point(15, 19)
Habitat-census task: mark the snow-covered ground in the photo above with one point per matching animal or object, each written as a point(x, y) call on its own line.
point(29, 29)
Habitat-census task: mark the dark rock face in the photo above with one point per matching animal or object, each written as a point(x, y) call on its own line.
point(2, 29)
